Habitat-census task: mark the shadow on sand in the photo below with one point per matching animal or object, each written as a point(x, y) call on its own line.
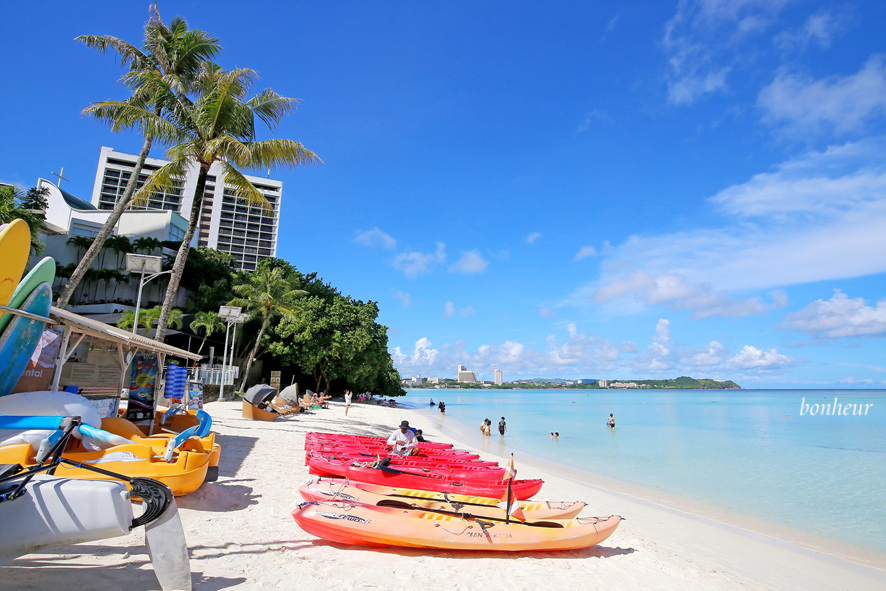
point(55, 571)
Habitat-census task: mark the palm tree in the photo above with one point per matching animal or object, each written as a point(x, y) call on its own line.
point(119, 277)
point(267, 294)
point(120, 245)
point(147, 318)
point(147, 244)
point(78, 242)
point(217, 127)
point(15, 204)
point(128, 316)
point(209, 322)
point(170, 58)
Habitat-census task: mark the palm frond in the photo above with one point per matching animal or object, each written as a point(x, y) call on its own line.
point(280, 152)
point(243, 187)
point(128, 53)
point(163, 179)
point(271, 107)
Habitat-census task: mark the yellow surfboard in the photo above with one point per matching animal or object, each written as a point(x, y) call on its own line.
point(15, 247)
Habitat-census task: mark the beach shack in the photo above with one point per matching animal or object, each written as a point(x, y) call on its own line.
point(101, 362)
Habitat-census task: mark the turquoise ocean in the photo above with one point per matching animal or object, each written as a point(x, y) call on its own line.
point(750, 452)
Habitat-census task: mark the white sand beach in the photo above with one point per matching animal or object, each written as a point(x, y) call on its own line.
point(242, 536)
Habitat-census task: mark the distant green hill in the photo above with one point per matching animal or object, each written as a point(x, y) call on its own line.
point(684, 383)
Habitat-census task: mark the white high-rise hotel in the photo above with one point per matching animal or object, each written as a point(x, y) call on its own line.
point(247, 232)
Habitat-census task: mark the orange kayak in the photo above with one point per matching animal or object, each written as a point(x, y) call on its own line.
point(366, 525)
point(339, 489)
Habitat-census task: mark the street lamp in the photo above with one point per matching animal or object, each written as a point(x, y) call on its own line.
point(231, 315)
point(142, 263)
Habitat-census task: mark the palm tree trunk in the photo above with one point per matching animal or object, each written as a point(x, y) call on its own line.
point(254, 351)
point(178, 268)
point(119, 208)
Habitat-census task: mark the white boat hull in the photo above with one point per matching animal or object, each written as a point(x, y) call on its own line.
point(61, 511)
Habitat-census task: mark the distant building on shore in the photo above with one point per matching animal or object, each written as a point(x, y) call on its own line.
point(498, 379)
point(603, 383)
point(465, 376)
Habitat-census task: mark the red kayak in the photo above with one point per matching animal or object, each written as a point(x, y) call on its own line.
point(358, 440)
point(447, 454)
point(368, 456)
point(521, 489)
point(338, 467)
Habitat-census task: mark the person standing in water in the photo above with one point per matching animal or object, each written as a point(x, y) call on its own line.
point(611, 421)
point(502, 427)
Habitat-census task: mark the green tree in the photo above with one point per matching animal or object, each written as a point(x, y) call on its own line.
point(147, 245)
point(209, 322)
point(120, 245)
point(336, 338)
point(269, 293)
point(35, 199)
point(14, 204)
point(170, 58)
point(148, 318)
point(80, 243)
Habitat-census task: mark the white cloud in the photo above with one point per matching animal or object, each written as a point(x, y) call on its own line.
point(703, 43)
point(610, 26)
point(752, 358)
point(819, 30)
point(533, 237)
point(413, 263)
point(404, 298)
point(422, 356)
point(675, 291)
point(712, 355)
point(586, 355)
point(376, 238)
point(470, 262)
point(816, 217)
point(449, 310)
point(585, 252)
point(839, 104)
point(839, 317)
point(592, 116)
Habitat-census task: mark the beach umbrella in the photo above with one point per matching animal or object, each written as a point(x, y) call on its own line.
point(259, 393)
point(290, 394)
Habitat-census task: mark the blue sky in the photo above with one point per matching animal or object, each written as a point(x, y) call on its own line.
point(555, 189)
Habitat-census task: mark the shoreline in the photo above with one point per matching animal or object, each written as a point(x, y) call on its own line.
point(241, 533)
point(681, 505)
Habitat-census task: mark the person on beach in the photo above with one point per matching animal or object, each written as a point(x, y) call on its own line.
point(403, 440)
point(347, 400)
point(442, 407)
point(419, 437)
point(611, 421)
point(502, 427)
point(485, 427)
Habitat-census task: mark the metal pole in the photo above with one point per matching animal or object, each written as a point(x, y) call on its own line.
point(233, 341)
point(221, 387)
point(138, 300)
